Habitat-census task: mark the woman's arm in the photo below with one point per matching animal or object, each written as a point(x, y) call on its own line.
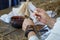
point(32, 36)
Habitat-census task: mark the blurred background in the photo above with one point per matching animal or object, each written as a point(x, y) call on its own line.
point(6, 7)
point(45, 4)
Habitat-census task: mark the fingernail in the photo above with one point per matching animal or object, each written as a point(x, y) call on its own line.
point(36, 11)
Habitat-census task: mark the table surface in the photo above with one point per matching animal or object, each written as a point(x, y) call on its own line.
point(7, 32)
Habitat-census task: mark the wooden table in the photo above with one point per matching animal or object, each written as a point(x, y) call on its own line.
point(7, 32)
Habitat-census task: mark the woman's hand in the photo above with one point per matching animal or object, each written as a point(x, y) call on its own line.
point(26, 23)
point(43, 17)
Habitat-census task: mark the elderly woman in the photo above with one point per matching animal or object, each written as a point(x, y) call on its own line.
point(44, 18)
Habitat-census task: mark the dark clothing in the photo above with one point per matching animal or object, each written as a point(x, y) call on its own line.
point(4, 4)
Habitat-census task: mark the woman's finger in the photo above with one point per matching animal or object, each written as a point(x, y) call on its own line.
point(38, 18)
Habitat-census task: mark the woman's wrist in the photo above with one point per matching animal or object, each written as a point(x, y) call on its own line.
point(32, 33)
point(29, 29)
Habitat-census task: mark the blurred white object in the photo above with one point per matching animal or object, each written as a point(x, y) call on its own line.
point(51, 13)
point(44, 36)
point(31, 7)
point(10, 1)
point(15, 11)
point(5, 18)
